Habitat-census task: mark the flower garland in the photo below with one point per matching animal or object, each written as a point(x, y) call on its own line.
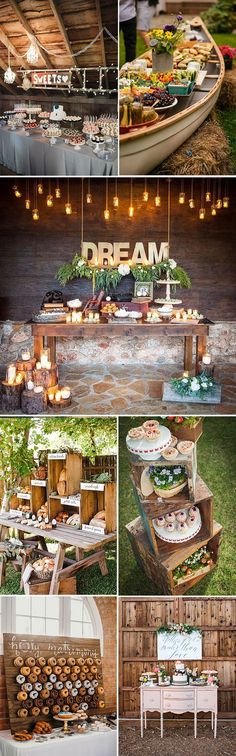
point(109, 277)
point(178, 627)
point(201, 385)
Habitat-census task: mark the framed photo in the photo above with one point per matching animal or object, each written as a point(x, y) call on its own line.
point(143, 289)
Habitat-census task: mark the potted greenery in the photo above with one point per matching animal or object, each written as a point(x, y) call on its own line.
point(163, 43)
point(167, 481)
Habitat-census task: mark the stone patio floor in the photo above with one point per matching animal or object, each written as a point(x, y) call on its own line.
point(136, 390)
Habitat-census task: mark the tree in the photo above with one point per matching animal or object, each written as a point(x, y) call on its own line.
point(221, 17)
point(16, 459)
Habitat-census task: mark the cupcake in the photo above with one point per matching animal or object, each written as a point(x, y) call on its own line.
point(152, 433)
point(193, 512)
point(136, 433)
point(170, 527)
point(150, 424)
point(190, 522)
point(181, 516)
point(160, 521)
point(170, 517)
point(170, 453)
point(182, 526)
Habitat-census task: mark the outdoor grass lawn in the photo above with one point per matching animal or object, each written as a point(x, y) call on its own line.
point(89, 581)
point(227, 118)
point(216, 465)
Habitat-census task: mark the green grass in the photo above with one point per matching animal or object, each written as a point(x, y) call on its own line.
point(89, 581)
point(216, 465)
point(227, 118)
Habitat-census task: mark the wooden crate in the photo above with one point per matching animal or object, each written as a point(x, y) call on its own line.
point(184, 433)
point(42, 587)
point(39, 493)
point(72, 463)
point(150, 508)
point(93, 502)
point(159, 569)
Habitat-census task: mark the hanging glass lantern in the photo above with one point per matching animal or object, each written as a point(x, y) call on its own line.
point(191, 203)
point(40, 188)
point(208, 196)
point(213, 209)
point(106, 214)
point(115, 201)
point(49, 200)
point(225, 201)
point(202, 213)
point(27, 204)
point(35, 214)
point(17, 192)
point(89, 198)
point(58, 192)
point(26, 83)
point(68, 208)
point(181, 198)
point(219, 203)
point(131, 211)
point(32, 54)
point(157, 200)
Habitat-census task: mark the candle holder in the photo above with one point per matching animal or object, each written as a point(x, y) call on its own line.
point(45, 358)
point(11, 396)
point(46, 377)
point(59, 397)
point(25, 366)
point(207, 369)
point(34, 402)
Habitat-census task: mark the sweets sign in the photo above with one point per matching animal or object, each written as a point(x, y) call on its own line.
point(50, 79)
point(176, 645)
point(115, 253)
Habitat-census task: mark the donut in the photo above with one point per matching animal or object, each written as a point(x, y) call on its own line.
point(50, 702)
point(63, 677)
point(87, 684)
point(161, 521)
point(74, 692)
point(64, 693)
point(68, 684)
point(91, 691)
point(57, 670)
point(30, 661)
point(75, 670)
point(100, 690)
point(53, 678)
point(22, 695)
point(22, 713)
point(40, 703)
point(52, 661)
point(78, 684)
point(136, 433)
point(54, 694)
point(73, 676)
point(89, 661)
point(80, 661)
point(65, 707)
point(94, 669)
point(101, 704)
point(20, 679)
point(33, 694)
point(152, 433)
point(87, 699)
point(70, 700)
point(28, 705)
point(191, 522)
point(170, 517)
point(98, 661)
point(85, 669)
point(49, 685)
point(42, 678)
point(55, 709)
point(71, 661)
point(181, 516)
point(75, 707)
point(82, 676)
point(66, 670)
point(33, 678)
point(95, 683)
point(59, 685)
point(84, 706)
point(35, 711)
point(22, 737)
point(47, 670)
point(60, 701)
point(82, 691)
point(42, 661)
point(36, 671)
point(150, 424)
point(38, 686)
point(45, 710)
point(18, 661)
point(27, 686)
point(44, 694)
point(61, 661)
point(25, 671)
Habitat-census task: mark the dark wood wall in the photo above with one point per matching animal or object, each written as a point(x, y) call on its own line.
point(32, 252)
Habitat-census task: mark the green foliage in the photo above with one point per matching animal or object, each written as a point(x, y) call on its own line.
point(201, 386)
point(78, 268)
point(221, 17)
point(178, 627)
point(16, 458)
point(107, 278)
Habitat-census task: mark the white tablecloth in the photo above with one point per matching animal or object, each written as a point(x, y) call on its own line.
point(92, 744)
point(33, 155)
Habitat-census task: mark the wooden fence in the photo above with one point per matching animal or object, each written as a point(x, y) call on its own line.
point(139, 619)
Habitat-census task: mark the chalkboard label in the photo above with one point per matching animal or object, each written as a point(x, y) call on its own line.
point(58, 455)
point(41, 483)
point(92, 486)
point(91, 529)
point(23, 495)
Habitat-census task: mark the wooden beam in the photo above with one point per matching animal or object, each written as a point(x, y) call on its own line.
point(100, 27)
point(7, 86)
point(63, 31)
point(27, 28)
point(6, 42)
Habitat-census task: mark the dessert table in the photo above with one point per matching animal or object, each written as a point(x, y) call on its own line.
point(49, 332)
point(179, 699)
point(33, 155)
point(101, 743)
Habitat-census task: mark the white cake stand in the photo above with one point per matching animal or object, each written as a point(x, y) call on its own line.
point(150, 450)
point(176, 536)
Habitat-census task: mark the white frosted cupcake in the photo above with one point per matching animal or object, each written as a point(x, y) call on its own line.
point(182, 527)
point(193, 512)
point(170, 517)
point(150, 424)
point(161, 521)
point(170, 527)
point(181, 516)
point(191, 522)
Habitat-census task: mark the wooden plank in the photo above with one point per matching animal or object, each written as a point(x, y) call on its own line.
point(66, 534)
point(29, 31)
point(58, 565)
point(46, 647)
point(188, 353)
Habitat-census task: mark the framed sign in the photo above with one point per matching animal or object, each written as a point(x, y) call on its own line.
point(51, 79)
point(176, 645)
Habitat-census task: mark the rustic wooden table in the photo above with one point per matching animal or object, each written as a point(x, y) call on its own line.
point(66, 536)
point(46, 334)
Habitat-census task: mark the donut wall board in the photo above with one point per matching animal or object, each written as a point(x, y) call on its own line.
point(46, 675)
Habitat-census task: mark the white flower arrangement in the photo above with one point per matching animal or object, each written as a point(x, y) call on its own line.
point(123, 269)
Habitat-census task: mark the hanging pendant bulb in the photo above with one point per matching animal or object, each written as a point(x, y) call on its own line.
point(17, 192)
point(157, 200)
point(181, 198)
point(131, 211)
point(213, 209)
point(40, 188)
point(58, 192)
point(106, 214)
point(202, 213)
point(131, 206)
point(89, 198)
point(9, 75)
point(32, 54)
point(225, 201)
point(68, 208)
point(115, 201)
point(145, 192)
point(208, 196)
point(49, 200)
point(27, 204)
point(219, 203)
point(191, 203)
point(35, 214)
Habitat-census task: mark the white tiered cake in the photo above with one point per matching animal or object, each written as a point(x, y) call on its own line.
point(180, 676)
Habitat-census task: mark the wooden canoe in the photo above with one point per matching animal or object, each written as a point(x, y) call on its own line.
point(141, 151)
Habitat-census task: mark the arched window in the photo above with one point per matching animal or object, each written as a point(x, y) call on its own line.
point(72, 616)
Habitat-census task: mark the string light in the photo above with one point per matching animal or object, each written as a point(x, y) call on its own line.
point(131, 207)
point(208, 193)
point(202, 211)
point(182, 193)
point(106, 211)
point(40, 188)
point(213, 207)
point(49, 199)
point(58, 190)
point(226, 195)
point(115, 200)
point(145, 193)
point(191, 201)
point(27, 199)
point(68, 207)
point(35, 213)
point(27, 204)
point(225, 201)
point(157, 197)
point(89, 198)
point(17, 192)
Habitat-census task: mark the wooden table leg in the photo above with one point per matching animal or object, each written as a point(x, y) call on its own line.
point(162, 729)
point(201, 344)
point(51, 344)
point(2, 573)
point(38, 346)
point(188, 353)
point(58, 564)
point(79, 554)
point(141, 723)
point(103, 565)
point(215, 725)
point(145, 720)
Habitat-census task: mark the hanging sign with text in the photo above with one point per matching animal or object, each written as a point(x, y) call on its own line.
point(115, 253)
point(179, 646)
point(51, 79)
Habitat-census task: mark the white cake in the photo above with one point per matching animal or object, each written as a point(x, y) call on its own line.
point(57, 113)
point(179, 677)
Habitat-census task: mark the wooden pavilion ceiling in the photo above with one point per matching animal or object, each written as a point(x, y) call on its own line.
point(63, 27)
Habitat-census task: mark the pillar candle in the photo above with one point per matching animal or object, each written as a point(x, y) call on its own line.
point(11, 373)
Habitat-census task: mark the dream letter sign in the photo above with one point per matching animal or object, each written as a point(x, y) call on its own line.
point(179, 645)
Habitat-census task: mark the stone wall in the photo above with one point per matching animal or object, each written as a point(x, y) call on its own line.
point(118, 351)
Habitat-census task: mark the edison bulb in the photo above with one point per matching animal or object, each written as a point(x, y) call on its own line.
point(115, 201)
point(191, 203)
point(208, 196)
point(50, 200)
point(40, 189)
point(202, 213)
point(68, 208)
point(17, 192)
point(89, 198)
point(27, 204)
point(213, 210)
point(181, 198)
point(35, 214)
point(219, 203)
point(157, 201)
point(58, 192)
point(145, 196)
point(131, 211)
point(106, 214)
point(225, 201)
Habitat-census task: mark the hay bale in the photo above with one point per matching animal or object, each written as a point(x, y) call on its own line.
point(205, 153)
point(227, 98)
